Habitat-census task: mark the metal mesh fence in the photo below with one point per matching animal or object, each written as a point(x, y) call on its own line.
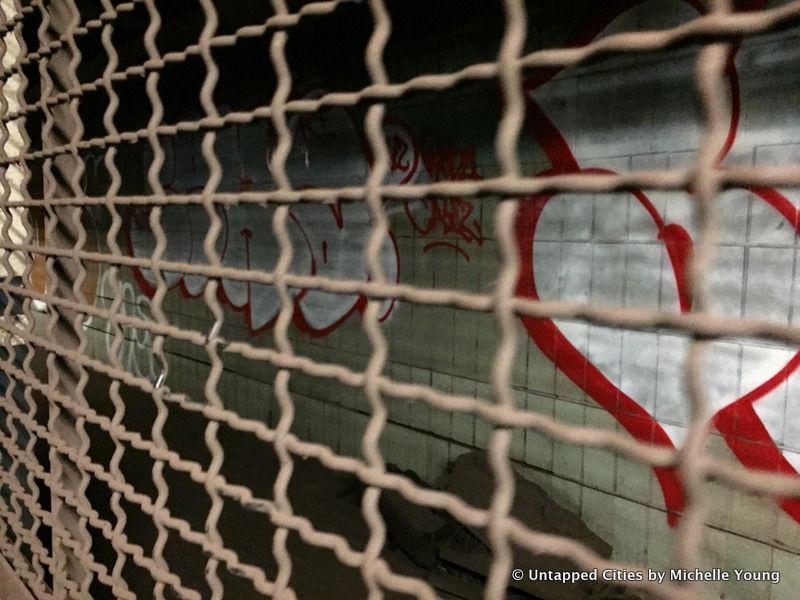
point(47, 465)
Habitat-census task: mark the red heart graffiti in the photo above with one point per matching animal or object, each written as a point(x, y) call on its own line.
point(738, 422)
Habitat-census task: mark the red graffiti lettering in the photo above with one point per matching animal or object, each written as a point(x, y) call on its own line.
point(398, 149)
point(457, 164)
point(450, 217)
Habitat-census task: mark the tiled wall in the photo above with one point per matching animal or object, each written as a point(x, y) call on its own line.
point(620, 114)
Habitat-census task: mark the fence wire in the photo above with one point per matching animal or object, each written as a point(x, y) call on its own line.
point(48, 491)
